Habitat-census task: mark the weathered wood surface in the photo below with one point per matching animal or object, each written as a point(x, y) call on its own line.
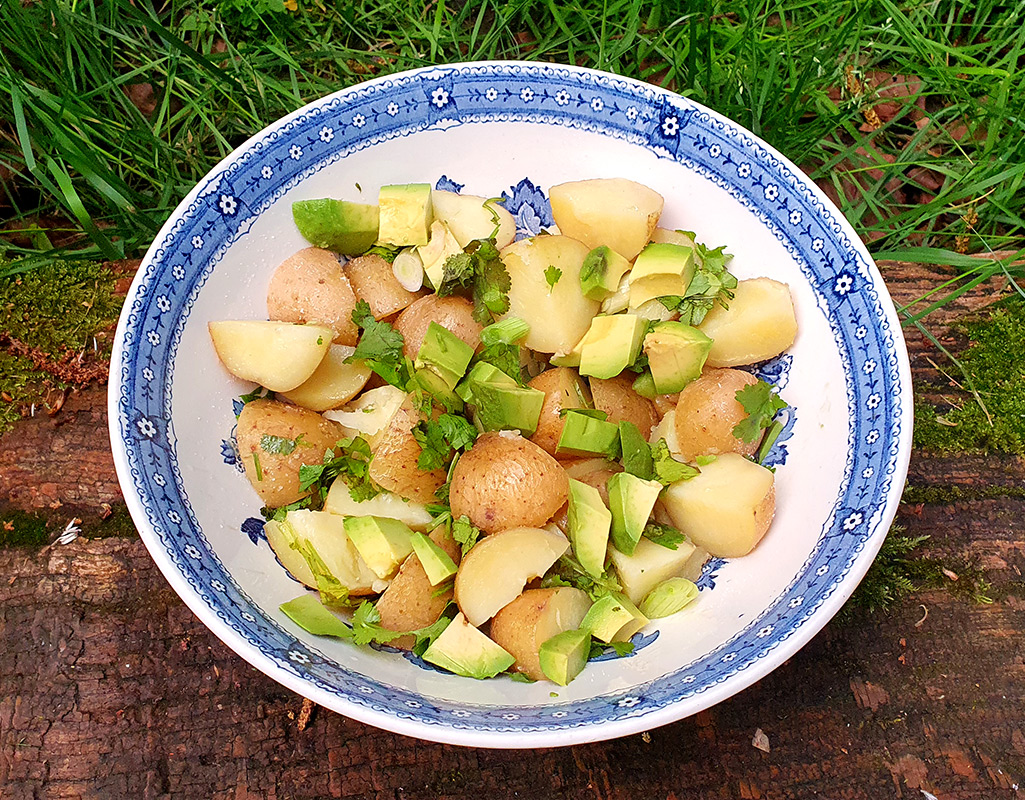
point(110, 688)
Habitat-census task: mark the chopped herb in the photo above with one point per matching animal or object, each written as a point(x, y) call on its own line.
point(712, 283)
point(352, 464)
point(552, 275)
point(665, 535)
point(256, 463)
point(380, 346)
point(479, 272)
point(505, 357)
point(568, 572)
point(619, 648)
point(320, 340)
point(771, 435)
point(278, 514)
point(519, 677)
point(495, 219)
point(332, 591)
point(366, 626)
point(667, 469)
point(464, 533)
point(437, 440)
point(259, 393)
point(279, 445)
point(384, 251)
point(761, 403)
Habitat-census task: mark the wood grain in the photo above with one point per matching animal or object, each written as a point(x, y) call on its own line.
point(110, 688)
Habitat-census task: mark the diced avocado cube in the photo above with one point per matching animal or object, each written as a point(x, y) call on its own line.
point(436, 386)
point(589, 523)
point(601, 272)
point(584, 435)
point(482, 372)
point(405, 214)
point(312, 616)
point(444, 353)
point(347, 228)
point(676, 355)
point(613, 618)
point(644, 385)
point(499, 407)
point(565, 655)
point(637, 458)
point(438, 565)
point(383, 543)
point(631, 500)
point(464, 650)
point(664, 259)
point(611, 344)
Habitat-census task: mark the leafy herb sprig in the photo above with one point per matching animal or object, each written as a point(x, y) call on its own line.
point(479, 273)
point(380, 346)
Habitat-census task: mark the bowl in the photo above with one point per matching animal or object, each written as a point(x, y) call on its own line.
point(515, 129)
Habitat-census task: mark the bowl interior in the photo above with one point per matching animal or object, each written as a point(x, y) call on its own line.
point(516, 130)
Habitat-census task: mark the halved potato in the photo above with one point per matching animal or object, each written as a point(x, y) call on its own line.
point(563, 388)
point(759, 324)
point(277, 355)
point(471, 217)
point(707, 412)
point(373, 280)
point(558, 315)
point(332, 383)
point(370, 413)
point(616, 212)
point(616, 397)
point(396, 451)
point(386, 504)
point(727, 508)
point(453, 313)
point(497, 568)
point(310, 287)
point(532, 619)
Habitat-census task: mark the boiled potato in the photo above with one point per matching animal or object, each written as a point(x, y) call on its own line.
point(727, 508)
point(311, 287)
point(759, 324)
point(616, 212)
point(532, 619)
point(497, 568)
point(275, 475)
point(558, 316)
point(505, 481)
point(666, 429)
point(393, 466)
point(277, 355)
point(410, 602)
point(616, 397)
point(453, 313)
point(563, 388)
point(385, 504)
point(333, 382)
point(649, 565)
point(471, 217)
point(369, 414)
point(669, 236)
point(707, 412)
point(373, 280)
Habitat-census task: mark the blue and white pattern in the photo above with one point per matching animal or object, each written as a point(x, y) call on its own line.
point(666, 125)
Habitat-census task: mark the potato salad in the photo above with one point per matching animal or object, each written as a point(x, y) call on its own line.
point(506, 456)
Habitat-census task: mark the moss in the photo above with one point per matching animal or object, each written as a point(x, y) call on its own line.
point(23, 529)
point(994, 362)
point(951, 494)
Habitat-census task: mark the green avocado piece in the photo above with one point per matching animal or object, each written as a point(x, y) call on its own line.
point(438, 565)
point(499, 407)
point(464, 650)
point(613, 618)
point(636, 451)
point(662, 258)
point(585, 435)
point(611, 344)
point(382, 542)
point(601, 272)
point(482, 372)
point(565, 655)
point(676, 354)
point(445, 354)
point(347, 228)
point(310, 614)
point(437, 387)
point(644, 385)
point(406, 214)
point(631, 500)
point(588, 529)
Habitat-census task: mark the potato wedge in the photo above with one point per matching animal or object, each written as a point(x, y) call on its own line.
point(277, 355)
point(369, 414)
point(532, 619)
point(310, 287)
point(386, 504)
point(616, 397)
point(333, 383)
point(373, 280)
point(649, 565)
point(275, 475)
point(707, 412)
point(453, 313)
point(470, 217)
point(563, 388)
point(616, 212)
point(759, 324)
point(395, 454)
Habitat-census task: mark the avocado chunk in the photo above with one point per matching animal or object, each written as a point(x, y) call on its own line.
point(382, 542)
point(661, 270)
point(613, 618)
point(611, 344)
point(464, 650)
point(347, 228)
point(676, 354)
point(631, 500)
point(589, 523)
point(405, 214)
point(564, 655)
point(601, 272)
point(498, 407)
point(438, 565)
point(445, 354)
point(482, 372)
point(584, 434)
point(636, 451)
point(570, 359)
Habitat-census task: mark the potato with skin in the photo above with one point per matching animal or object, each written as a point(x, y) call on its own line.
point(707, 412)
point(616, 397)
point(393, 466)
point(563, 388)
point(373, 280)
point(532, 619)
point(453, 313)
point(311, 287)
point(505, 481)
point(276, 479)
point(760, 323)
point(410, 602)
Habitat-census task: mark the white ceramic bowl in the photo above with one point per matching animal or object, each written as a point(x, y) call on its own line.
point(515, 128)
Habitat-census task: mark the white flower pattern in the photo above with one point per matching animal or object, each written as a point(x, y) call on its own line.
point(873, 402)
point(326, 134)
point(267, 172)
point(795, 217)
point(491, 94)
point(439, 97)
point(744, 170)
point(526, 94)
point(392, 109)
point(146, 427)
point(771, 192)
point(153, 338)
point(670, 126)
point(852, 522)
point(631, 112)
point(197, 242)
point(597, 104)
point(228, 204)
point(295, 152)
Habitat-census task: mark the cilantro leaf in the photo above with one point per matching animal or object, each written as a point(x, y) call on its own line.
point(568, 572)
point(761, 404)
point(665, 535)
point(387, 252)
point(366, 627)
point(712, 283)
point(459, 433)
point(504, 356)
point(552, 275)
point(259, 393)
point(479, 272)
point(279, 445)
point(351, 464)
point(464, 533)
point(667, 469)
point(438, 438)
point(619, 648)
point(380, 346)
point(520, 677)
